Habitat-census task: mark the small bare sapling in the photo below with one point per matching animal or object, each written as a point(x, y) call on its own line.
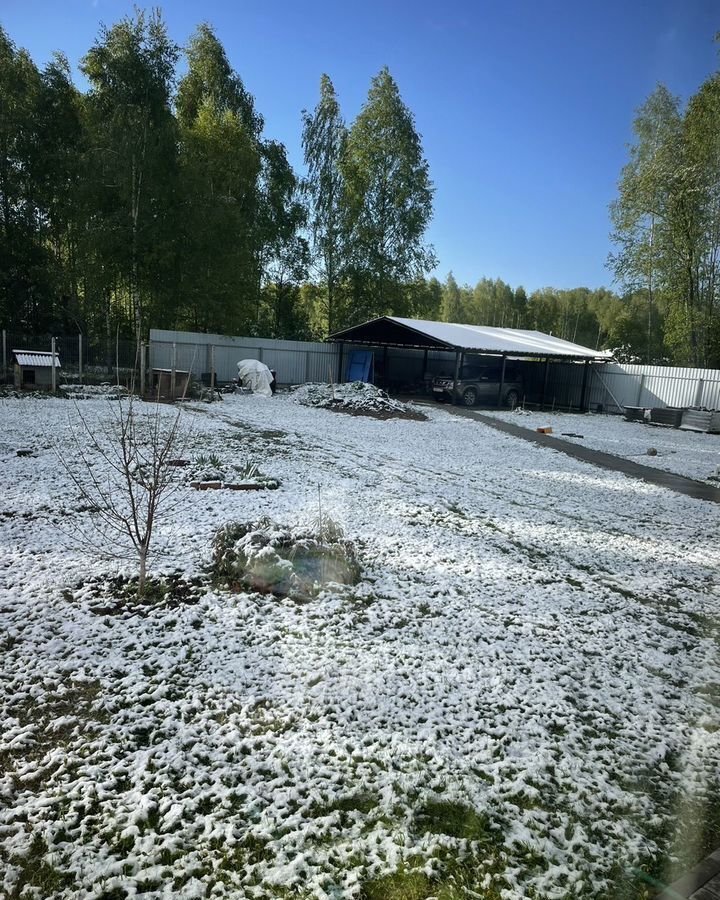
point(121, 468)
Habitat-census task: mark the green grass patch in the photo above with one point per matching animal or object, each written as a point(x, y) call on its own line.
point(38, 874)
point(455, 820)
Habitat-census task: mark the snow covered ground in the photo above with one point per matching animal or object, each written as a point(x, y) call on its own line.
point(688, 453)
point(519, 699)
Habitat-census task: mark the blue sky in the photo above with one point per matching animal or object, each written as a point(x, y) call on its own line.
point(525, 108)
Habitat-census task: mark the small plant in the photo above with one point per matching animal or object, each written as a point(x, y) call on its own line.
point(211, 461)
point(249, 471)
point(325, 527)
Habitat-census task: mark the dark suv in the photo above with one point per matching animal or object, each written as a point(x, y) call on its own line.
point(480, 384)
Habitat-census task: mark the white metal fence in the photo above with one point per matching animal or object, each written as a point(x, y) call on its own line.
point(295, 362)
point(618, 385)
point(614, 385)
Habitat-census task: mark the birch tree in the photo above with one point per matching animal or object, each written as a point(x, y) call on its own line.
point(132, 146)
point(388, 201)
point(324, 137)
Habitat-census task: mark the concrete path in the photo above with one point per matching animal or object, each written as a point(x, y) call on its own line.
point(701, 883)
point(673, 482)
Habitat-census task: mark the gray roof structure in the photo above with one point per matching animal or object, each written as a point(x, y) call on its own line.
point(36, 359)
point(419, 333)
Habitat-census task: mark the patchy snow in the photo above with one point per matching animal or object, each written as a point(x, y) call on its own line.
point(688, 453)
point(533, 638)
point(106, 391)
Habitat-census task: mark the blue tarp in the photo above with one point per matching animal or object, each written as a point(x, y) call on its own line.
point(358, 367)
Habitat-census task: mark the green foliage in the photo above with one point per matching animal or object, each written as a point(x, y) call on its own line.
point(211, 78)
point(666, 223)
point(282, 251)
point(387, 202)
point(23, 295)
point(454, 819)
point(324, 138)
point(131, 160)
point(220, 163)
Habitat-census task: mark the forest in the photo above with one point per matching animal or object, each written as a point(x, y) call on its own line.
point(153, 200)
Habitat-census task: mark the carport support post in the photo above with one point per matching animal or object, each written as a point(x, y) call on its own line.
point(173, 371)
point(142, 368)
point(456, 378)
point(53, 375)
point(501, 386)
point(545, 381)
point(212, 367)
point(583, 392)
point(340, 364)
point(384, 367)
point(80, 356)
point(4, 352)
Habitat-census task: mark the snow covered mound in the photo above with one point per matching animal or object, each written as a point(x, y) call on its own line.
point(356, 398)
point(295, 563)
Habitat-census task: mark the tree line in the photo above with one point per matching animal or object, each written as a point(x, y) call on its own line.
point(147, 201)
point(152, 201)
point(666, 223)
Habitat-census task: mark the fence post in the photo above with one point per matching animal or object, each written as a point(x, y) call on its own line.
point(640, 389)
point(212, 367)
point(307, 366)
point(53, 376)
point(340, 364)
point(545, 382)
point(143, 347)
point(699, 391)
point(80, 349)
point(173, 369)
point(501, 384)
point(583, 390)
point(4, 342)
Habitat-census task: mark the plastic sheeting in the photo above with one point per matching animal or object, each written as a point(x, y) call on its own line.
point(255, 375)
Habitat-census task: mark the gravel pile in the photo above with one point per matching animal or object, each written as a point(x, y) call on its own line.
point(356, 398)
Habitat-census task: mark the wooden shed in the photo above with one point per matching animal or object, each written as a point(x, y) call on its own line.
point(169, 384)
point(33, 369)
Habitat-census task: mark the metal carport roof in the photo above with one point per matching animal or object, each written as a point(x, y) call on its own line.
point(394, 331)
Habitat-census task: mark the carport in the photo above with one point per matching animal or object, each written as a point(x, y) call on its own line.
point(433, 338)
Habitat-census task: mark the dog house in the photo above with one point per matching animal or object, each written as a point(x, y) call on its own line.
point(33, 369)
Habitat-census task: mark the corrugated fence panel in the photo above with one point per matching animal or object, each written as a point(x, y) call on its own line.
point(655, 386)
point(294, 362)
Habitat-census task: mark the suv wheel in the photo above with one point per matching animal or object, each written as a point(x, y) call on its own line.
point(512, 398)
point(469, 397)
